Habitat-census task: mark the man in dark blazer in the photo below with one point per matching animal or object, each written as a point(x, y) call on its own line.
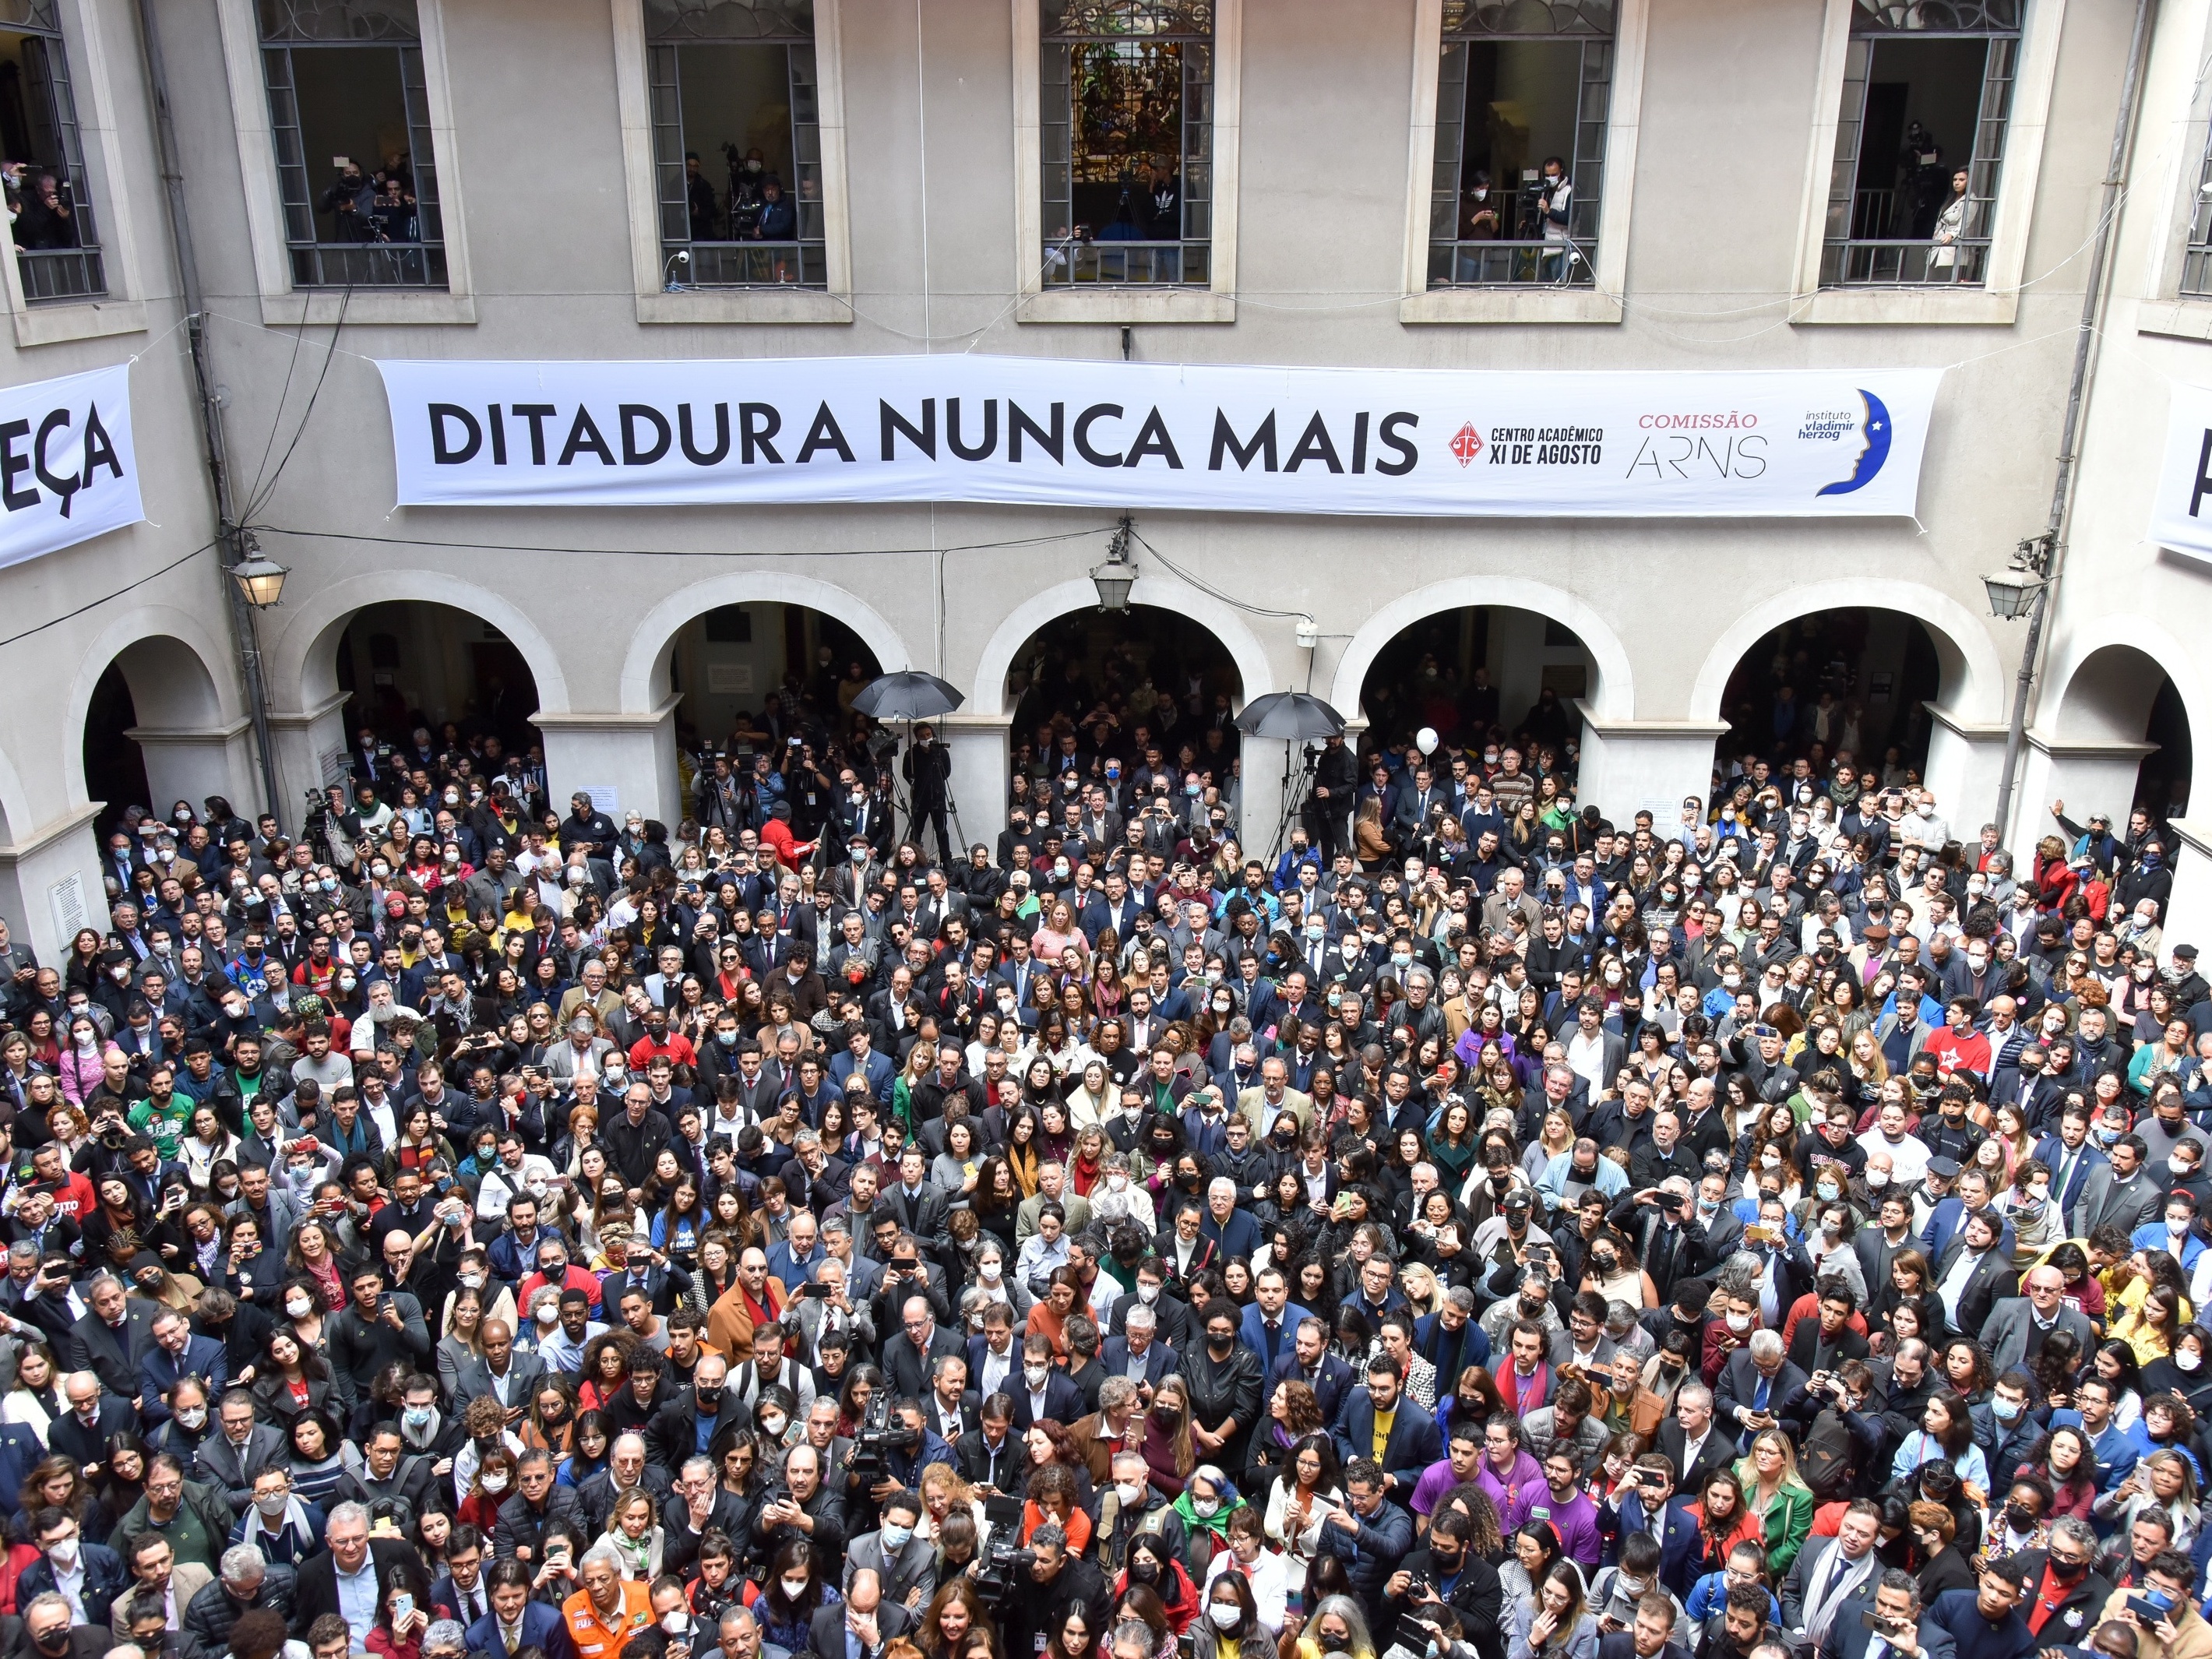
point(514, 1381)
point(1308, 1360)
point(1892, 1598)
point(1271, 1307)
point(1414, 1441)
point(1138, 1354)
point(2083, 1591)
point(1691, 1424)
point(995, 1455)
point(910, 1354)
point(1649, 1507)
point(1649, 1637)
point(921, 1206)
point(175, 1352)
point(1988, 1278)
point(348, 1545)
point(508, 1584)
point(863, 1612)
point(1061, 1399)
point(81, 1432)
point(110, 1340)
point(1754, 1383)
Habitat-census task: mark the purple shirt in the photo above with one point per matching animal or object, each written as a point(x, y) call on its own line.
point(1515, 1495)
point(1436, 1480)
point(1575, 1521)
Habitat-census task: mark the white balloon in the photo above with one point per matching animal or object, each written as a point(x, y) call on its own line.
point(1425, 740)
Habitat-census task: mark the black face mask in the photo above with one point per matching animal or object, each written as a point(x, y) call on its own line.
point(709, 1398)
point(1220, 1343)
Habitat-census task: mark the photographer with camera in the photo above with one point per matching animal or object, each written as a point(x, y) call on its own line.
point(1057, 1580)
point(1664, 1224)
point(1445, 1573)
point(1547, 203)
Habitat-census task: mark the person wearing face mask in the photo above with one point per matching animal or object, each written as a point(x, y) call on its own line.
point(904, 1563)
point(285, 1529)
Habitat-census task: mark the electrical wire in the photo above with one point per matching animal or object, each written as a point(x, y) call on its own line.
point(260, 500)
point(90, 605)
point(1207, 587)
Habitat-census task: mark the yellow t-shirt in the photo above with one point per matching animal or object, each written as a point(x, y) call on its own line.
point(1383, 1423)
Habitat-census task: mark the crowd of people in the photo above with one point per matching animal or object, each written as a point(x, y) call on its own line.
point(1484, 1229)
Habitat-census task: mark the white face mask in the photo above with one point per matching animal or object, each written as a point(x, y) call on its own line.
point(676, 1623)
point(2189, 1359)
point(1035, 1375)
point(494, 1483)
point(1147, 1294)
point(1126, 1493)
point(1739, 1322)
point(773, 1426)
point(793, 1588)
point(1226, 1615)
point(192, 1417)
point(273, 1504)
point(298, 1306)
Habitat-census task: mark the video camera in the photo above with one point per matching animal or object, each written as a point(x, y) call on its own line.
point(880, 1435)
point(1005, 1569)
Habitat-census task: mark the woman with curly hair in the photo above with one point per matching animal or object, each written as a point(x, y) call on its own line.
point(605, 1369)
point(1050, 1496)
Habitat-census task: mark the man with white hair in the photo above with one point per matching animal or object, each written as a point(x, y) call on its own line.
point(1235, 1232)
point(1754, 1383)
point(609, 1609)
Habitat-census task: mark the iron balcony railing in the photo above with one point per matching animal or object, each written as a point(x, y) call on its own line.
point(1080, 265)
point(1511, 265)
point(745, 264)
point(61, 273)
point(1866, 262)
point(368, 265)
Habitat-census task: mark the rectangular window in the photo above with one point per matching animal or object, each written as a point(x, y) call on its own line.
point(1928, 90)
point(1523, 94)
point(736, 143)
point(351, 120)
point(1126, 120)
point(57, 234)
point(2197, 260)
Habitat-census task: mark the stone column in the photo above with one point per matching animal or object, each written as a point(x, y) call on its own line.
point(627, 762)
point(1964, 762)
point(2188, 918)
point(978, 745)
point(313, 750)
point(1629, 766)
point(191, 765)
point(50, 884)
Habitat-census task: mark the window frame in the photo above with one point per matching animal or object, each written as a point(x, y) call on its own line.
point(831, 303)
point(2165, 308)
point(1596, 302)
point(1996, 301)
point(1129, 303)
point(122, 309)
point(282, 304)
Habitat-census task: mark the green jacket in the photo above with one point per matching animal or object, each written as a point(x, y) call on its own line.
point(199, 1531)
point(1788, 1517)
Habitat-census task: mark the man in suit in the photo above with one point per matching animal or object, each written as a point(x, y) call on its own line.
point(869, 1617)
point(175, 1352)
point(155, 1570)
point(1308, 1360)
point(2071, 1160)
point(949, 1409)
point(910, 1357)
point(460, 1592)
point(502, 1373)
point(920, 1206)
point(1974, 1273)
point(516, 1621)
point(1410, 1444)
point(1754, 1383)
point(110, 1340)
point(2066, 1593)
point(904, 1565)
point(1650, 1636)
point(1693, 1442)
point(1137, 1353)
point(2018, 1325)
point(1826, 1575)
point(992, 1456)
point(229, 1459)
point(349, 1550)
point(81, 1432)
point(1041, 1389)
point(1270, 1322)
point(1649, 1507)
point(1894, 1602)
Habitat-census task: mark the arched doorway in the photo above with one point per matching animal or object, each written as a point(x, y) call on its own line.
point(411, 669)
point(1477, 675)
point(747, 672)
point(154, 734)
point(1116, 687)
point(1854, 681)
point(2122, 737)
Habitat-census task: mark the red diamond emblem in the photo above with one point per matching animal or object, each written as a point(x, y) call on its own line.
point(1467, 443)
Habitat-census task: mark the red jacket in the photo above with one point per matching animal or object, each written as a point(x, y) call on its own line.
point(789, 850)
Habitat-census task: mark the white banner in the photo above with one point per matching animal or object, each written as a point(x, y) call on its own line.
point(67, 469)
point(1114, 434)
point(2181, 507)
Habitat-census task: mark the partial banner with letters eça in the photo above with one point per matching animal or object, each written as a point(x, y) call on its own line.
point(1053, 432)
point(67, 471)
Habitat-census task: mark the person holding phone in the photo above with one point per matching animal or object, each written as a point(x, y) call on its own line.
point(403, 1612)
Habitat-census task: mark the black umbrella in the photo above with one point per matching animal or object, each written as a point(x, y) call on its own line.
point(1291, 714)
point(911, 696)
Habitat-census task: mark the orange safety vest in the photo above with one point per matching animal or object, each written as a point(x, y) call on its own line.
point(594, 1638)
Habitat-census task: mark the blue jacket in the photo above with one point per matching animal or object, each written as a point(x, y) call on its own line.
point(204, 1357)
point(104, 1580)
point(1239, 1236)
point(1329, 1391)
point(1415, 1441)
point(543, 1627)
point(1253, 1334)
point(1372, 1554)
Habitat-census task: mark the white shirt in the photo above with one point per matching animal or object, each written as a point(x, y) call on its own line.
point(71, 1586)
